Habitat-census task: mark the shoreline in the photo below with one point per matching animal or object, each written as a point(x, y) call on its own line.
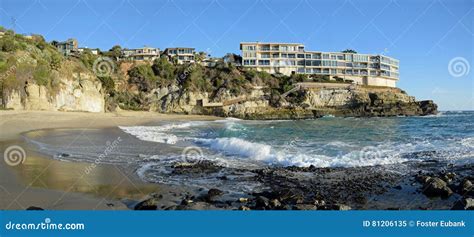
point(53, 184)
point(19, 193)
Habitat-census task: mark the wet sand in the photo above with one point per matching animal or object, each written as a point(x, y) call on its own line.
point(52, 184)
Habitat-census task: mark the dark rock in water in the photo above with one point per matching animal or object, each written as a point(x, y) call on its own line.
point(338, 207)
point(464, 204)
point(201, 167)
point(427, 107)
point(149, 204)
point(186, 201)
point(262, 203)
point(423, 178)
point(436, 187)
point(197, 206)
point(303, 207)
point(60, 155)
point(33, 208)
point(213, 192)
point(467, 188)
point(422, 155)
point(242, 200)
point(448, 177)
point(275, 204)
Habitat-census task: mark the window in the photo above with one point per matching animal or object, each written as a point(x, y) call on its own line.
point(265, 48)
point(250, 47)
point(360, 58)
point(263, 62)
point(249, 62)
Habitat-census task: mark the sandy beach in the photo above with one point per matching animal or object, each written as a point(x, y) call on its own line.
point(52, 184)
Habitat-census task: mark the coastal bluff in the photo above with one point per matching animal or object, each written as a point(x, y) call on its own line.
point(311, 100)
point(73, 94)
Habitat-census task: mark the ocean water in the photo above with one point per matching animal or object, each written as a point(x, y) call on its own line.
point(234, 143)
point(325, 142)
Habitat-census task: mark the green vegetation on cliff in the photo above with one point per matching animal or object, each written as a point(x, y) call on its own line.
point(24, 60)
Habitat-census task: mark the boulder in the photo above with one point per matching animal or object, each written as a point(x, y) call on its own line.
point(214, 192)
point(436, 187)
point(262, 203)
point(33, 208)
point(275, 204)
point(244, 208)
point(464, 204)
point(148, 204)
point(467, 188)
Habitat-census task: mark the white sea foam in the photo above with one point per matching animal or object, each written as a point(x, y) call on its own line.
point(237, 146)
point(156, 133)
point(468, 142)
point(240, 148)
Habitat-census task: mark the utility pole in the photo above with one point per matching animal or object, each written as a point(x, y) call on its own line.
point(13, 19)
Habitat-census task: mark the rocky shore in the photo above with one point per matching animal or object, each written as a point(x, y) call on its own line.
point(432, 185)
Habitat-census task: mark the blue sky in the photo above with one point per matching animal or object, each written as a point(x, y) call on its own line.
point(425, 35)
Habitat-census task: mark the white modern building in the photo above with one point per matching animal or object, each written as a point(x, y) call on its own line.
point(290, 58)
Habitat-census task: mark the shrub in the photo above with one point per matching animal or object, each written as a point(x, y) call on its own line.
point(7, 44)
point(143, 77)
point(107, 83)
point(42, 74)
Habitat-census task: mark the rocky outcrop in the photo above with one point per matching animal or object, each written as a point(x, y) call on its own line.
point(79, 93)
point(354, 101)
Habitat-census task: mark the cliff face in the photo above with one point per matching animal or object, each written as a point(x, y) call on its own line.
point(73, 94)
point(354, 101)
